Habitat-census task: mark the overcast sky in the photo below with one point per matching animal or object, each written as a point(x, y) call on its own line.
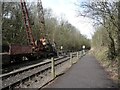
point(68, 9)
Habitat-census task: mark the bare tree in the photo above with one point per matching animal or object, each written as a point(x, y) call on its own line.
point(105, 14)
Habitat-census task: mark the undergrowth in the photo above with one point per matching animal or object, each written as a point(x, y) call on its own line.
point(111, 66)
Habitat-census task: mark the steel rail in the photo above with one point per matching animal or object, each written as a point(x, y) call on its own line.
point(26, 73)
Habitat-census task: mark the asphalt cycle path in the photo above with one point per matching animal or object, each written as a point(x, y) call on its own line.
point(86, 73)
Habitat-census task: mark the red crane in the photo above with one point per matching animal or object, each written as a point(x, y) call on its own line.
point(30, 37)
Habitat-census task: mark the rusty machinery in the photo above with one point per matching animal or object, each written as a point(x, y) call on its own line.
point(32, 50)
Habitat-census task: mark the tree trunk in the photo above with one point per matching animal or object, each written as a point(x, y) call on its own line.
point(111, 46)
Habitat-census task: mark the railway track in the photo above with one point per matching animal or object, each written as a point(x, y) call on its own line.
point(18, 78)
point(36, 75)
point(18, 65)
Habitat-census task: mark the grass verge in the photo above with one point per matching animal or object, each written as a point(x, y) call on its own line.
point(111, 66)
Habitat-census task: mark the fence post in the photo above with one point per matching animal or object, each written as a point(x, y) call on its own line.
point(52, 68)
point(70, 59)
point(77, 55)
point(81, 53)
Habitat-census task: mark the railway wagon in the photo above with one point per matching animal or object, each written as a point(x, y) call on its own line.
point(18, 53)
